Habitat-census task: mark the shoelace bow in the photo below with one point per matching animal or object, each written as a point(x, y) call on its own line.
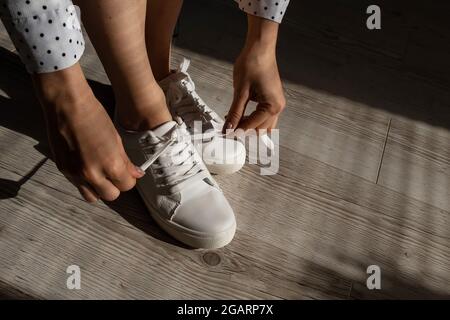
point(172, 159)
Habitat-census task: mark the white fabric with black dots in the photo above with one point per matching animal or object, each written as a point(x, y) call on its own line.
point(46, 33)
point(269, 9)
point(48, 36)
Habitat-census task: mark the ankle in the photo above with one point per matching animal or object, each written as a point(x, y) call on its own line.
point(137, 122)
point(161, 72)
point(161, 75)
point(145, 113)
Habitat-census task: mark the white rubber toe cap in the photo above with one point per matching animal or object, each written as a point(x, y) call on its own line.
point(205, 217)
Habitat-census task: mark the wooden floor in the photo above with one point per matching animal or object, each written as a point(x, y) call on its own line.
point(364, 173)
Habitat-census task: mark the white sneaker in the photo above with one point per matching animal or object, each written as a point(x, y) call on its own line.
point(221, 155)
point(177, 189)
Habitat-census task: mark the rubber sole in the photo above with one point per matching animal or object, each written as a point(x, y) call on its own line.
point(194, 239)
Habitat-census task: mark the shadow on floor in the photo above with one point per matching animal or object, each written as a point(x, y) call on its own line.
point(21, 113)
point(8, 292)
point(404, 68)
point(392, 287)
point(352, 67)
point(10, 188)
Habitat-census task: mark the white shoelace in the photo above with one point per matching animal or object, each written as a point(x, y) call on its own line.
point(172, 158)
point(187, 104)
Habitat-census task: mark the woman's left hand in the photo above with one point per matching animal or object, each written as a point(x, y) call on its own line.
point(256, 78)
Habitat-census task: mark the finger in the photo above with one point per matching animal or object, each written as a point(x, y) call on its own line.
point(263, 127)
point(256, 118)
point(123, 183)
point(237, 110)
point(135, 171)
point(268, 125)
point(274, 124)
point(262, 130)
point(121, 177)
point(106, 190)
point(88, 193)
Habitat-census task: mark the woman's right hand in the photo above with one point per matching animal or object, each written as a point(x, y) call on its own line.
point(85, 144)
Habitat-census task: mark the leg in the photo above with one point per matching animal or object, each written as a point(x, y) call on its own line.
point(117, 29)
point(161, 19)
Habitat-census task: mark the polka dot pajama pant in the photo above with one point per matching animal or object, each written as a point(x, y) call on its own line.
point(269, 9)
point(48, 36)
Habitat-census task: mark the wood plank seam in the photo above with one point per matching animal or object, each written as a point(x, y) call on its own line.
point(384, 149)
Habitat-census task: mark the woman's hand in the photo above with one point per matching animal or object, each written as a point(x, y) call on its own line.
point(256, 78)
point(86, 147)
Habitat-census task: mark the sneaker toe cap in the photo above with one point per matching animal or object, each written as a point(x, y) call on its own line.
point(210, 214)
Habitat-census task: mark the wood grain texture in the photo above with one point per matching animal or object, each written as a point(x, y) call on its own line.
point(326, 129)
point(47, 227)
point(417, 162)
point(308, 232)
point(319, 121)
point(302, 225)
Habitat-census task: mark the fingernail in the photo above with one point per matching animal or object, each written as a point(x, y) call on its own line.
point(227, 126)
point(239, 133)
point(141, 172)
